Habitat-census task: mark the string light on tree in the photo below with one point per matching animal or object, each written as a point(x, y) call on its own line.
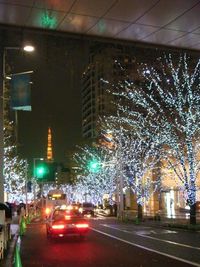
point(168, 95)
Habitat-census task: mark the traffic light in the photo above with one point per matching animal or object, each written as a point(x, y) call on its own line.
point(45, 171)
point(41, 170)
point(94, 165)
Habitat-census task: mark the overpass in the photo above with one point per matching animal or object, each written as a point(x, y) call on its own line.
point(174, 23)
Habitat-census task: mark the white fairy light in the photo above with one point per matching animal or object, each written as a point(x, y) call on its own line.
point(170, 97)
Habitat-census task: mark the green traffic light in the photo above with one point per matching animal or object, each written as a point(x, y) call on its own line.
point(45, 171)
point(93, 166)
point(40, 171)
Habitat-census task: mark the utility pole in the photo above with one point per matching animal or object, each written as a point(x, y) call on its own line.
point(26, 189)
point(3, 52)
point(2, 57)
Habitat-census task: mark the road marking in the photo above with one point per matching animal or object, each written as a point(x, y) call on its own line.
point(148, 249)
point(115, 228)
point(151, 237)
point(170, 242)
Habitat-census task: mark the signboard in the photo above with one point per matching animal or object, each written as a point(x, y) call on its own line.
point(21, 91)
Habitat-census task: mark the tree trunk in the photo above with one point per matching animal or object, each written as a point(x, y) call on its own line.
point(193, 214)
point(140, 215)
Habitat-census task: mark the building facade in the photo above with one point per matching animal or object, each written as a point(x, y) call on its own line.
point(102, 72)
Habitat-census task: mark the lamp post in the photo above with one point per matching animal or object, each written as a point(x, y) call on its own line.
point(26, 190)
point(27, 49)
point(3, 52)
point(34, 174)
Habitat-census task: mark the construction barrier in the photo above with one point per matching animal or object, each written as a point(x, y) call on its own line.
point(137, 220)
point(28, 219)
point(22, 226)
point(17, 257)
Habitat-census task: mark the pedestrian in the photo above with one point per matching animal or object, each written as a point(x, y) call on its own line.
point(115, 209)
point(22, 213)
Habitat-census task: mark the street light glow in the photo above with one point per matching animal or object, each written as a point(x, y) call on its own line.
point(28, 48)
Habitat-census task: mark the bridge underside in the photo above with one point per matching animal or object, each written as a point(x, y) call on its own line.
point(173, 23)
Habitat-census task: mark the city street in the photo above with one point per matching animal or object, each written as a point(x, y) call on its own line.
point(100, 133)
point(111, 243)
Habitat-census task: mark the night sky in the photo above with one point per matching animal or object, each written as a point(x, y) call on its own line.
point(58, 63)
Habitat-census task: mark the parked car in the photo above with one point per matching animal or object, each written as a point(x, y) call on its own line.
point(87, 208)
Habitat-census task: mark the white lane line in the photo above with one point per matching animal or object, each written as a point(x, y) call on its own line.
point(148, 249)
point(108, 225)
point(168, 241)
point(151, 237)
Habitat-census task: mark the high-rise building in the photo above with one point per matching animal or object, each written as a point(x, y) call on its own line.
point(105, 64)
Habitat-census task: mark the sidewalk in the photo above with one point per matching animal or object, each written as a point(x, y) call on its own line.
point(8, 257)
point(104, 212)
point(178, 222)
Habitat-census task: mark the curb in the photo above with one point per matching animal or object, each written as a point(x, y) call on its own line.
point(17, 257)
point(9, 259)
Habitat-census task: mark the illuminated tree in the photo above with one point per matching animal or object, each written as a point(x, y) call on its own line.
point(136, 158)
point(169, 95)
point(14, 167)
point(98, 176)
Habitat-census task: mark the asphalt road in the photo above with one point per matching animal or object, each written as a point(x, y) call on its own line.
point(111, 244)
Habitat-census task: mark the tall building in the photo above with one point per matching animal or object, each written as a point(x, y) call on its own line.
point(103, 66)
point(49, 146)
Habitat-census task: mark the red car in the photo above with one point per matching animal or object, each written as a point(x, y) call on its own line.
point(65, 222)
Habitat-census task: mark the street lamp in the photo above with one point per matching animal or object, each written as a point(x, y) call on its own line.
point(28, 48)
point(3, 52)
